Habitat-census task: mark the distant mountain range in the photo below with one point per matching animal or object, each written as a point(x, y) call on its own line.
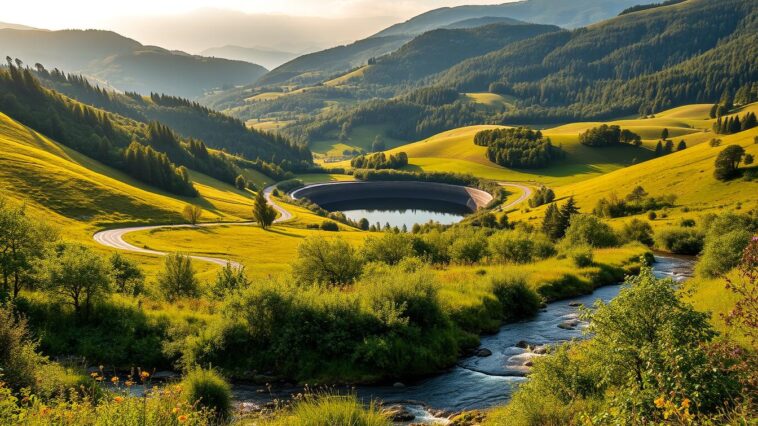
point(566, 14)
point(125, 64)
point(269, 58)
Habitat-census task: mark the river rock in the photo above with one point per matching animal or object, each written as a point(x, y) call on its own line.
point(398, 385)
point(523, 344)
point(576, 304)
point(483, 353)
point(540, 350)
point(569, 324)
point(398, 413)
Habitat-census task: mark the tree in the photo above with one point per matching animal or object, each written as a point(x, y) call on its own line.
point(228, 280)
point(566, 213)
point(22, 242)
point(659, 149)
point(240, 183)
point(76, 274)
point(390, 248)
point(363, 224)
point(127, 275)
point(647, 342)
point(682, 145)
point(192, 213)
point(551, 224)
point(263, 213)
point(638, 194)
point(748, 159)
point(177, 279)
point(332, 262)
point(728, 161)
point(665, 134)
point(668, 146)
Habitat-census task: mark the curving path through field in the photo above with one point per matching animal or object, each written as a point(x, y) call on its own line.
point(527, 192)
point(114, 238)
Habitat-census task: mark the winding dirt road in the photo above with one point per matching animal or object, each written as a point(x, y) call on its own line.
point(114, 238)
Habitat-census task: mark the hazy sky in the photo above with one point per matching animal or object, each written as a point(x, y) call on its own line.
point(57, 14)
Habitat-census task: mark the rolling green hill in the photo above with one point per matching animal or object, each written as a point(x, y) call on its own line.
point(123, 63)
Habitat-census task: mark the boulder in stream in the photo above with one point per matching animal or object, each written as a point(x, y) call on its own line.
point(398, 413)
point(483, 353)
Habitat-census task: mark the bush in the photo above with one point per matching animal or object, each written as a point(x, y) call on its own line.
point(329, 262)
point(468, 249)
point(722, 252)
point(290, 185)
point(208, 389)
point(511, 246)
point(581, 255)
point(590, 230)
point(19, 360)
point(390, 248)
point(517, 299)
point(328, 225)
point(638, 230)
point(680, 240)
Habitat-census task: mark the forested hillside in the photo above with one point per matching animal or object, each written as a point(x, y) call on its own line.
point(188, 118)
point(639, 63)
point(438, 50)
point(151, 152)
point(124, 63)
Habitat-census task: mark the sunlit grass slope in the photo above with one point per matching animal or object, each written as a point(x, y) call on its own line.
point(82, 195)
point(687, 174)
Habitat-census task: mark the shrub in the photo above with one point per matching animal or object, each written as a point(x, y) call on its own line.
point(228, 280)
point(328, 225)
point(722, 252)
point(652, 216)
point(207, 389)
point(290, 185)
point(680, 240)
point(19, 360)
point(468, 249)
point(330, 262)
point(638, 230)
point(517, 299)
point(390, 248)
point(581, 255)
point(687, 223)
point(728, 161)
point(590, 230)
point(178, 277)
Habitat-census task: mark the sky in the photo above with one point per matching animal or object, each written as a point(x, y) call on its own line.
point(56, 14)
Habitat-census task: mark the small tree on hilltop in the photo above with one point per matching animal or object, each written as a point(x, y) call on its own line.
point(728, 161)
point(263, 213)
point(192, 213)
point(682, 145)
point(665, 134)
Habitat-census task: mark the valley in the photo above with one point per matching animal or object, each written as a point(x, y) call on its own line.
point(530, 213)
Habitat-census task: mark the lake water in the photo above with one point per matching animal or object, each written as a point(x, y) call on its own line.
point(400, 211)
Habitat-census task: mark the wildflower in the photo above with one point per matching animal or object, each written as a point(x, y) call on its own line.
point(144, 375)
point(685, 403)
point(129, 383)
point(118, 399)
point(114, 379)
point(93, 375)
point(182, 418)
point(660, 402)
point(174, 410)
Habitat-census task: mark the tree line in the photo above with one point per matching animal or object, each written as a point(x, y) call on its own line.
point(380, 160)
point(518, 147)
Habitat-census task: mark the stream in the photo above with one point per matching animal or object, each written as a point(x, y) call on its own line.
point(478, 382)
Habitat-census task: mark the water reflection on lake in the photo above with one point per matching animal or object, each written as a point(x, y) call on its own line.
point(400, 211)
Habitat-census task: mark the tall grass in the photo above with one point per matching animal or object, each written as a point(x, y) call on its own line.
point(327, 410)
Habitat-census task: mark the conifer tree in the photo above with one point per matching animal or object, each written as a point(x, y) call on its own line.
point(659, 149)
point(682, 145)
point(551, 222)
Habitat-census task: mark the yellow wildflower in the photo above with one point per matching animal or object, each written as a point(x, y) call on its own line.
point(686, 403)
point(182, 418)
point(144, 375)
point(660, 402)
point(114, 379)
point(118, 399)
point(174, 410)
